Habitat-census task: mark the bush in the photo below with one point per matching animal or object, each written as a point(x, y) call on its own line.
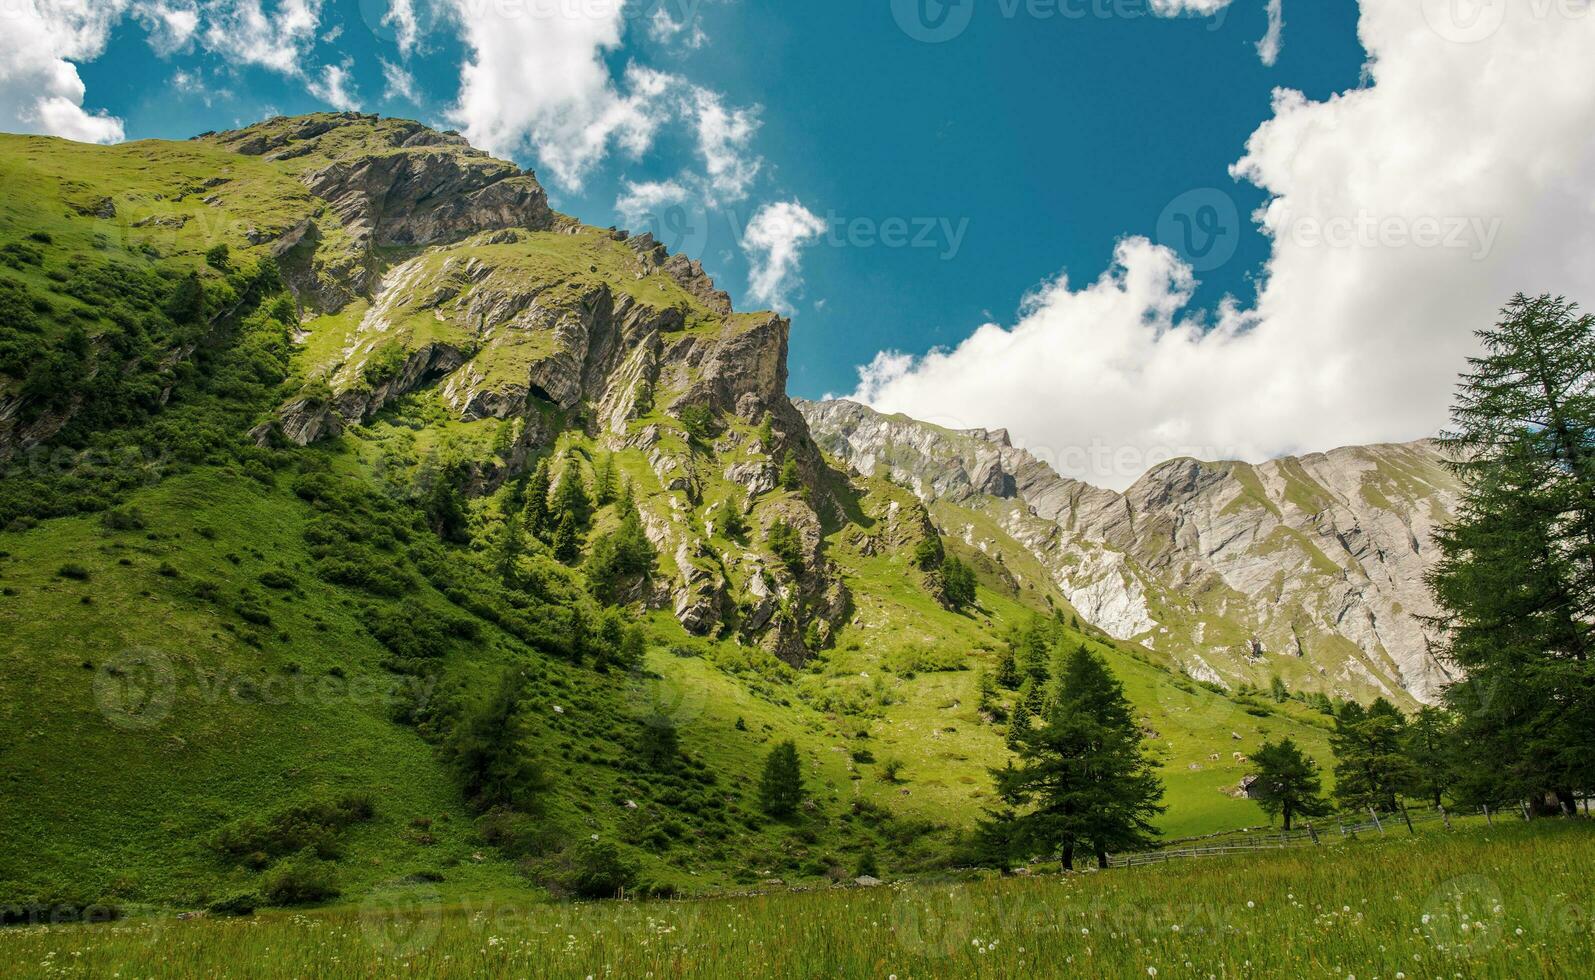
point(312, 827)
point(597, 870)
point(301, 880)
point(123, 519)
point(73, 571)
point(243, 903)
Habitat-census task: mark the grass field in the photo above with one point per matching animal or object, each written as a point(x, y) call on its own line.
point(1508, 901)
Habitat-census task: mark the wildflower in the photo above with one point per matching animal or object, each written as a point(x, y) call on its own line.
point(1252, 905)
point(1151, 971)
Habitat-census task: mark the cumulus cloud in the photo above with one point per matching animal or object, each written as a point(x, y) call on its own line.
point(639, 200)
point(335, 88)
point(773, 242)
point(169, 24)
point(400, 83)
point(724, 136)
point(687, 32)
point(246, 33)
point(401, 17)
point(40, 89)
point(1269, 47)
point(536, 79)
point(1401, 216)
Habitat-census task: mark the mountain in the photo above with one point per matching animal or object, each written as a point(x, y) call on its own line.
point(283, 612)
point(1307, 568)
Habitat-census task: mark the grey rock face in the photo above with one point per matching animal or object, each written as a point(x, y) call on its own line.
point(1229, 567)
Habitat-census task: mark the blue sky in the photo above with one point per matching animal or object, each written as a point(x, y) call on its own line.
point(1026, 145)
point(1033, 221)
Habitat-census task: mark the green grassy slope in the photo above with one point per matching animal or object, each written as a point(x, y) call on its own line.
point(200, 636)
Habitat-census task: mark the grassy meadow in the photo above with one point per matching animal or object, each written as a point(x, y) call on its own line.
point(1512, 900)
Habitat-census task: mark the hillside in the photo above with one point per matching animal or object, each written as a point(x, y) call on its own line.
point(369, 526)
point(1310, 569)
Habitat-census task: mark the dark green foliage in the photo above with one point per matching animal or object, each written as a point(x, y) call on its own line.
point(301, 880)
point(1430, 744)
point(445, 504)
point(1007, 675)
point(622, 555)
point(867, 865)
point(786, 545)
point(766, 433)
point(73, 570)
point(605, 481)
point(733, 523)
point(415, 633)
point(217, 257)
point(791, 476)
point(1516, 579)
point(239, 903)
point(781, 788)
point(1286, 782)
point(570, 497)
point(313, 826)
point(385, 364)
point(928, 553)
point(1371, 768)
point(1278, 690)
point(567, 542)
point(698, 421)
point(597, 870)
point(489, 754)
point(187, 302)
point(537, 489)
point(1082, 780)
point(958, 583)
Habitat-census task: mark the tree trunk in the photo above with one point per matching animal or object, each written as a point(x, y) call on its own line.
point(1068, 857)
point(1102, 859)
point(1286, 811)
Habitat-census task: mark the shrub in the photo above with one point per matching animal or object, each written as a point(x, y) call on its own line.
point(243, 903)
point(73, 571)
point(597, 870)
point(301, 880)
point(312, 826)
point(123, 519)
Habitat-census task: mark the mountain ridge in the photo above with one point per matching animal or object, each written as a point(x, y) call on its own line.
point(1170, 532)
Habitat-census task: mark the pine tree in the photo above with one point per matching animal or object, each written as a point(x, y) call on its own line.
point(958, 583)
point(987, 693)
point(487, 750)
point(622, 554)
point(1430, 746)
point(1516, 577)
point(536, 517)
point(1286, 782)
point(567, 542)
point(511, 545)
point(1371, 770)
point(781, 788)
point(1082, 780)
point(570, 497)
point(445, 505)
point(1277, 688)
point(604, 480)
point(767, 433)
point(1007, 669)
point(791, 476)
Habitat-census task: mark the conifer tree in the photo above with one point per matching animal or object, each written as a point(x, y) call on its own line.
point(567, 542)
point(1082, 780)
point(791, 476)
point(1371, 770)
point(1516, 577)
point(604, 480)
point(1007, 669)
point(570, 497)
point(536, 516)
point(1286, 782)
point(781, 788)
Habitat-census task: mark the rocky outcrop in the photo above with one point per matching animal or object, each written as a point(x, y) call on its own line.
point(1229, 567)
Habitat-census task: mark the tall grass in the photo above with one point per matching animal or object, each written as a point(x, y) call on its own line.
point(1512, 901)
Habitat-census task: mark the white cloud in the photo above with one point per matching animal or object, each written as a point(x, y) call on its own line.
point(1269, 47)
point(723, 139)
point(334, 87)
point(245, 33)
point(401, 16)
point(40, 89)
point(640, 200)
point(688, 32)
point(170, 24)
point(773, 241)
point(536, 78)
point(1403, 214)
point(400, 83)
point(1201, 8)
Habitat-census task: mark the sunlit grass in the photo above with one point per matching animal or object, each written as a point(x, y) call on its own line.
point(1509, 901)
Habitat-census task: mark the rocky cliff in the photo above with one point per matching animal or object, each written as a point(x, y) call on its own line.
point(427, 268)
point(1307, 568)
